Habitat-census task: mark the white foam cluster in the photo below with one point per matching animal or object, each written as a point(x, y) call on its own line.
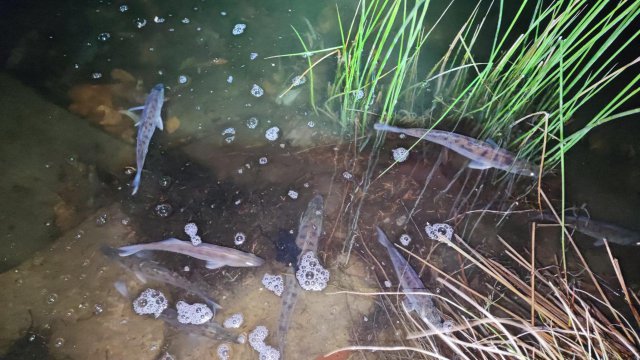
point(191, 229)
point(253, 56)
point(238, 29)
point(230, 79)
point(311, 275)
point(359, 94)
point(298, 80)
point(433, 231)
point(400, 154)
point(405, 239)
point(263, 160)
point(234, 321)
point(272, 134)
point(347, 175)
point(293, 194)
point(193, 314)
point(224, 351)
point(256, 90)
point(151, 301)
point(273, 283)
point(256, 340)
point(311, 124)
point(239, 238)
point(252, 123)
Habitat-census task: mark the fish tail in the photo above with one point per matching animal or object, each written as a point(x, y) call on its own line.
point(385, 127)
point(382, 238)
point(128, 250)
point(136, 181)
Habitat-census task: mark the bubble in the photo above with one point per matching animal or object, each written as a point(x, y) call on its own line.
point(239, 238)
point(292, 194)
point(230, 79)
point(228, 131)
point(253, 56)
point(311, 275)
point(124, 8)
point(252, 123)
point(347, 175)
point(104, 36)
point(185, 20)
point(52, 298)
point(58, 342)
point(229, 139)
point(165, 181)
point(183, 79)
point(163, 210)
point(273, 283)
point(193, 314)
point(311, 124)
point(150, 301)
point(98, 309)
point(96, 75)
point(158, 20)
point(102, 219)
point(238, 29)
point(272, 134)
point(257, 337)
point(358, 95)
point(436, 230)
point(387, 283)
point(400, 154)
point(196, 240)
point(234, 321)
point(191, 229)
point(263, 161)
point(405, 239)
point(140, 23)
point(298, 80)
point(224, 351)
point(256, 90)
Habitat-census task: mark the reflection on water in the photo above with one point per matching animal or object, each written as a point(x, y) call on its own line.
point(240, 157)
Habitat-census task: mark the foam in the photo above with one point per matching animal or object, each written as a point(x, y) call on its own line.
point(400, 154)
point(405, 239)
point(273, 283)
point(256, 340)
point(436, 230)
point(234, 321)
point(151, 301)
point(311, 275)
point(193, 314)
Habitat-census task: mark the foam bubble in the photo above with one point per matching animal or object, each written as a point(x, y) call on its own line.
point(252, 123)
point(311, 275)
point(263, 160)
point(196, 240)
point(293, 194)
point(256, 90)
point(405, 239)
point(400, 154)
point(256, 339)
point(193, 314)
point(298, 80)
point(433, 231)
point(273, 283)
point(151, 301)
point(191, 229)
point(239, 238)
point(238, 29)
point(234, 321)
point(224, 351)
point(272, 134)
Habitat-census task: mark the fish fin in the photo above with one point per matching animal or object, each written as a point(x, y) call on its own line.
point(213, 265)
point(136, 182)
point(140, 276)
point(128, 250)
point(159, 124)
point(382, 237)
point(473, 164)
point(172, 240)
point(129, 113)
point(122, 289)
point(599, 242)
point(136, 108)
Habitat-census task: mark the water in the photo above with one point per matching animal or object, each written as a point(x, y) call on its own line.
point(233, 159)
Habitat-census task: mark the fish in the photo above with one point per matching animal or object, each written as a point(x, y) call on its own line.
point(214, 255)
point(210, 329)
point(598, 230)
point(309, 232)
point(147, 270)
point(149, 121)
point(410, 284)
point(483, 155)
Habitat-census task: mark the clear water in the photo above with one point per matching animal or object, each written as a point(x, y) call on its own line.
point(67, 158)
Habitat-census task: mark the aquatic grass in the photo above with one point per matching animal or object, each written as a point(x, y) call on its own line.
point(580, 39)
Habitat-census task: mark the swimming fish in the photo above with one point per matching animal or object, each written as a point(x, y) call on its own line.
point(210, 329)
point(483, 155)
point(149, 121)
point(309, 232)
point(598, 230)
point(147, 270)
point(215, 256)
point(410, 282)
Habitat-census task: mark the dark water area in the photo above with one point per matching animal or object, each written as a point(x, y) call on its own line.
point(68, 159)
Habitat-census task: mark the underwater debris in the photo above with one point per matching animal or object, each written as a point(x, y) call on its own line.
point(256, 90)
point(234, 321)
point(311, 275)
point(405, 239)
point(193, 313)
point(273, 283)
point(272, 133)
point(400, 154)
point(438, 229)
point(238, 29)
point(151, 301)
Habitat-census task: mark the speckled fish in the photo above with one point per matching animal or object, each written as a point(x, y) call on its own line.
point(215, 256)
point(482, 155)
point(307, 240)
point(598, 230)
point(410, 282)
point(148, 270)
point(149, 121)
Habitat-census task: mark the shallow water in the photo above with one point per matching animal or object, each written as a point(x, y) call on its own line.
point(67, 157)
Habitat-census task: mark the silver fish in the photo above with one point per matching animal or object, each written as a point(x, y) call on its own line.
point(210, 329)
point(309, 232)
point(215, 256)
point(598, 230)
point(482, 155)
point(148, 270)
point(149, 121)
point(410, 282)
